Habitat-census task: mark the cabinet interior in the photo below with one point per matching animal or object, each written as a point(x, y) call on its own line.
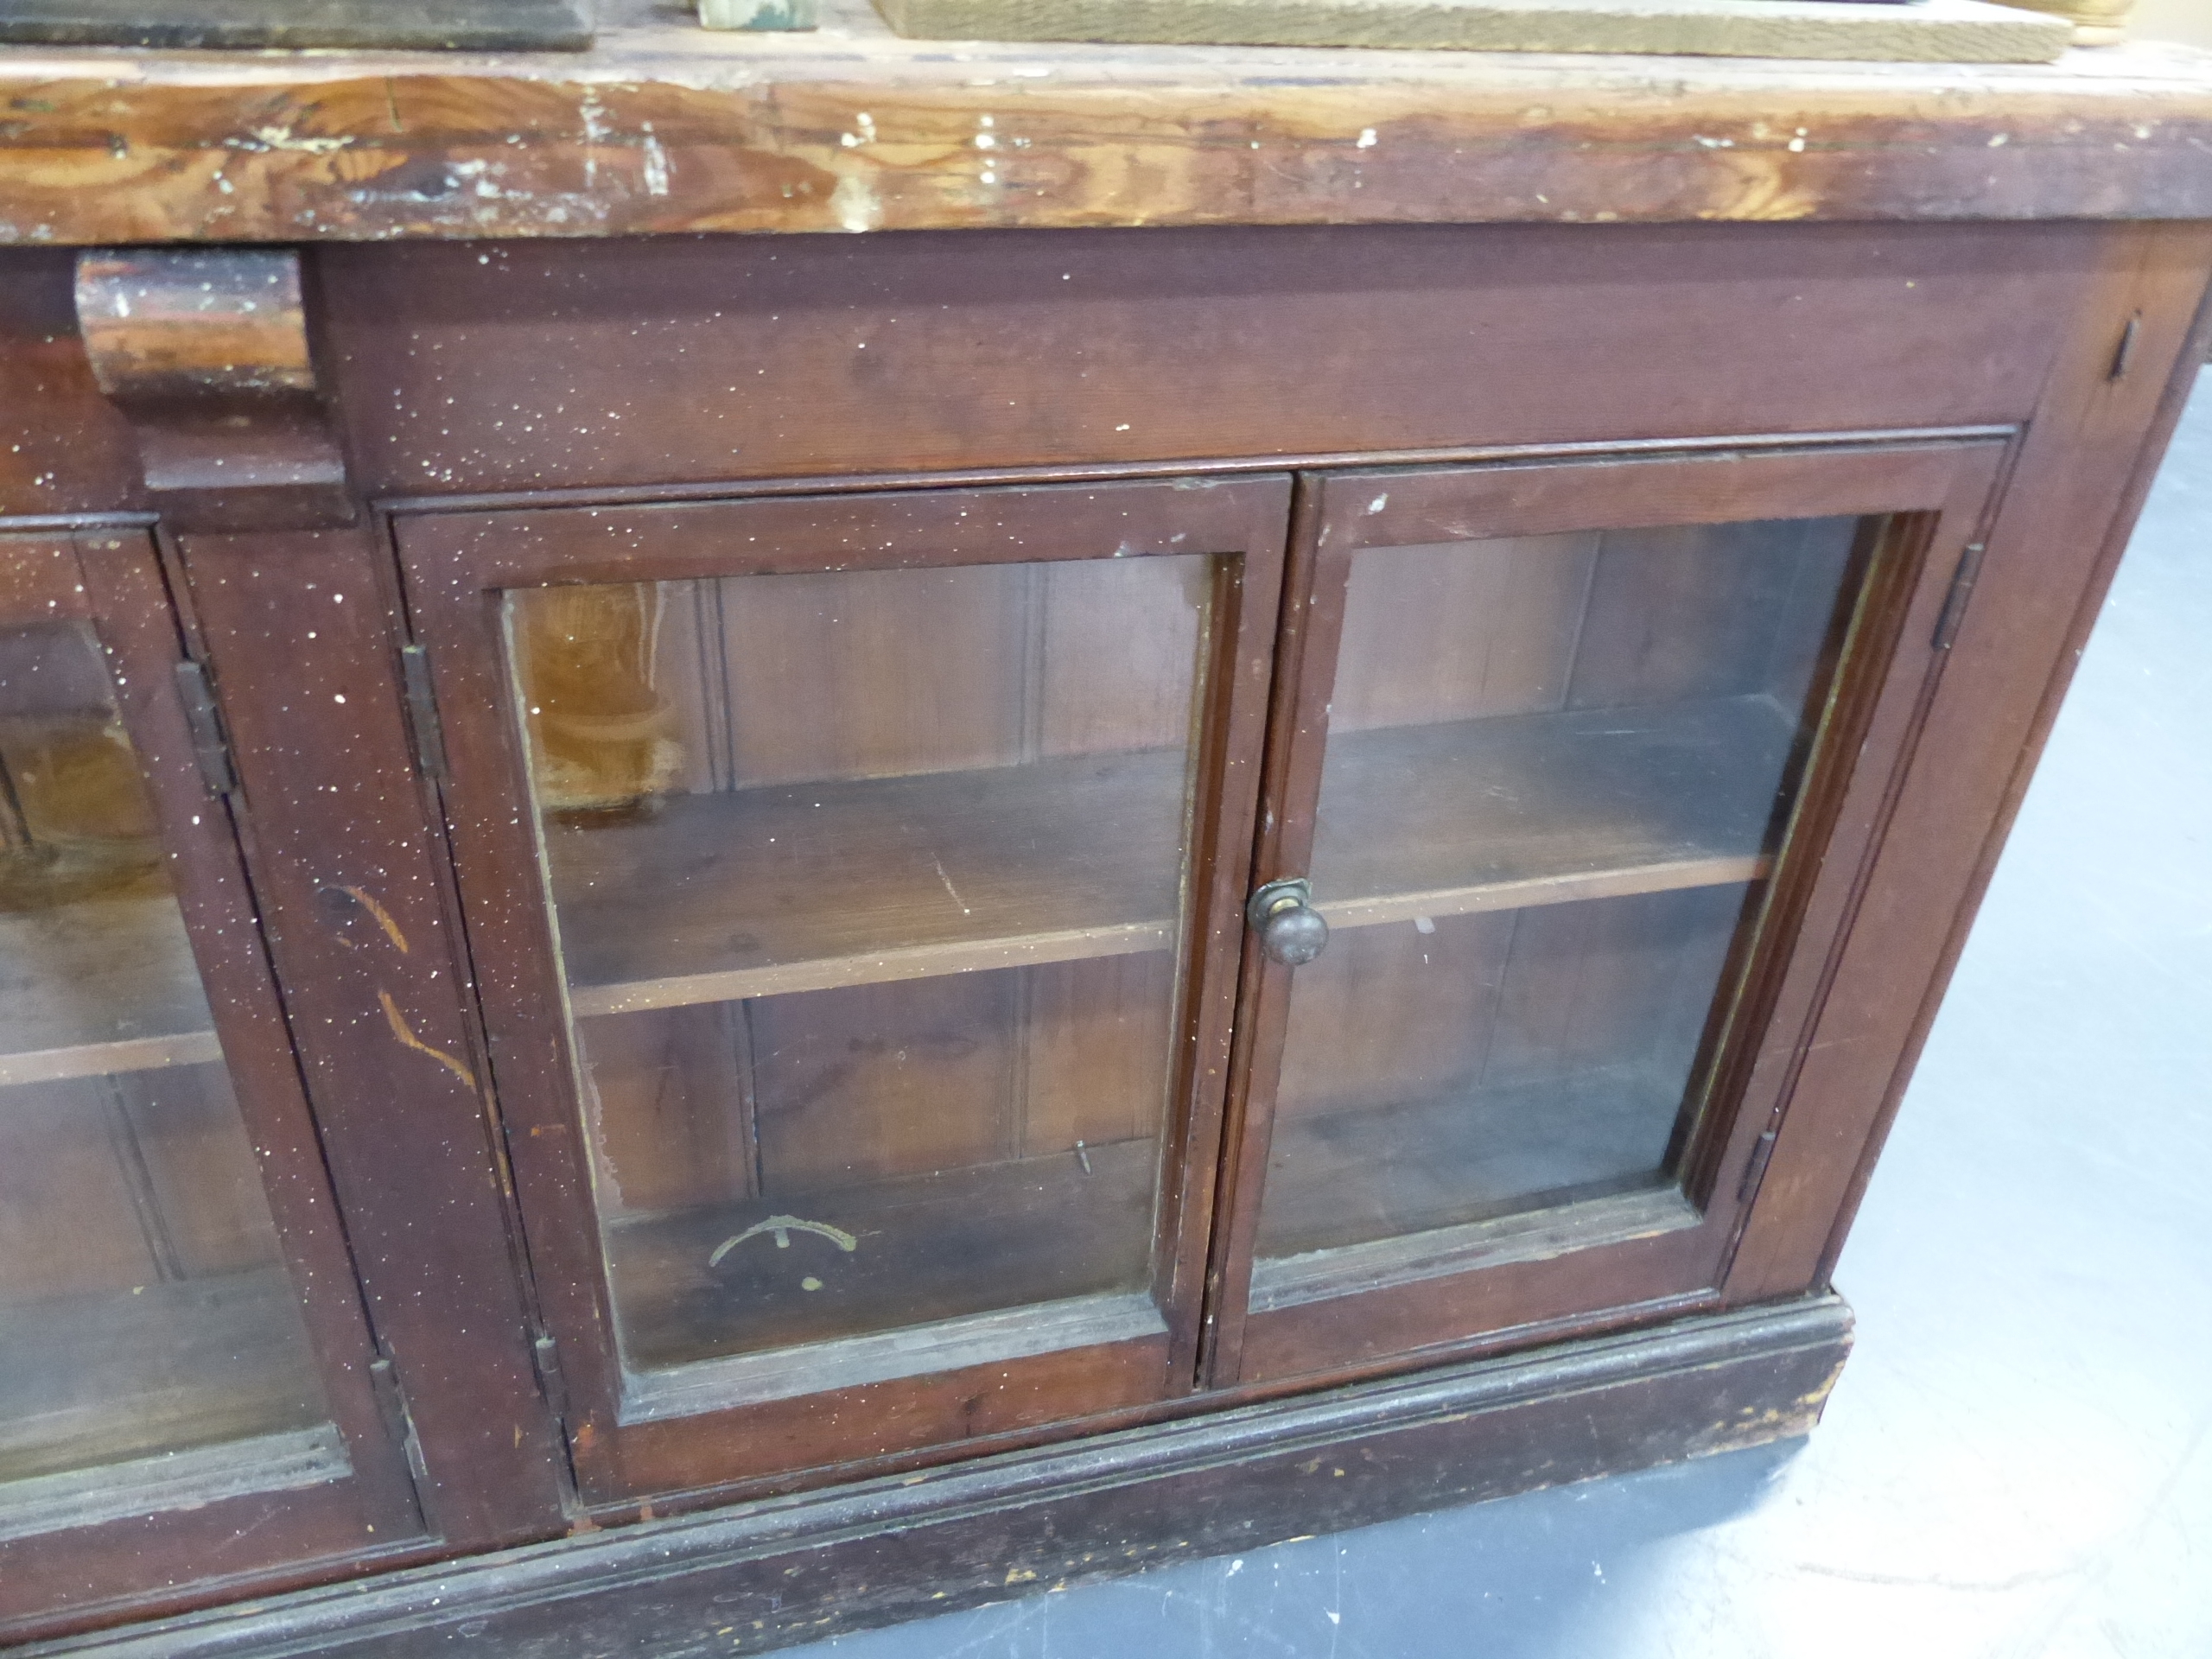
point(1557, 775)
point(869, 916)
point(144, 1308)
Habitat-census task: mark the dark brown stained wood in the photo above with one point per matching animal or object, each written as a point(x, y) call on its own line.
point(184, 324)
point(1943, 487)
point(455, 567)
point(1031, 1522)
point(39, 578)
point(522, 367)
point(63, 447)
point(299, 638)
point(176, 1556)
point(665, 127)
point(2078, 482)
point(206, 353)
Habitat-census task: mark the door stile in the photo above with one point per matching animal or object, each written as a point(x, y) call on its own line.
point(1312, 621)
point(1864, 800)
point(135, 618)
point(375, 976)
point(1228, 765)
point(267, 1514)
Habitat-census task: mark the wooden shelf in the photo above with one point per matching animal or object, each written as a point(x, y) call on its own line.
point(97, 985)
point(761, 892)
point(952, 1256)
point(1444, 820)
point(93, 1380)
point(1359, 1178)
point(800, 889)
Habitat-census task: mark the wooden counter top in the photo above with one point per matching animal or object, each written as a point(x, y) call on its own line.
point(665, 127)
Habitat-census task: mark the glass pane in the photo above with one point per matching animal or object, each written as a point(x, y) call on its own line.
point(145, 1307)
point(868, 888)
point(1559, 768)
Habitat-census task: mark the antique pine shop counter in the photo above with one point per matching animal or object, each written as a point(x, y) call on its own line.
point(712, 929)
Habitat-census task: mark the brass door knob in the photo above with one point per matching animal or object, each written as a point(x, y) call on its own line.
point(1291, 931)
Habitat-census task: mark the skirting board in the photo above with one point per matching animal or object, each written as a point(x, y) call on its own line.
point(797, 1568)
point(1928, 31)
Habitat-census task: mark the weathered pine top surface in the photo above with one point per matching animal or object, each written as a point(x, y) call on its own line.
point(665, 127)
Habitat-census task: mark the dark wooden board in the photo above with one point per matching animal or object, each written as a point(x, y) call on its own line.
point(350, 895)
point(517, 366)
point(360, 25)
point(1024, 1522)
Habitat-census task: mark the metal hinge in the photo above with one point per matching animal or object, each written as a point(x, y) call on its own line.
point(210, 747)
point(1754, 1171)
point(547, 1353)
point(1954, 602)
point(399, 1421)
point(423, 713)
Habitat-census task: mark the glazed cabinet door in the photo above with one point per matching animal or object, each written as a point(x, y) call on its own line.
point(1575, 765)
point(855, 885)
point(187, 1383)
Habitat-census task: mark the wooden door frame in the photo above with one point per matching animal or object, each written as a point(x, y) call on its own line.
point(111, 578)
point(1540, 1289)
point(455, 567)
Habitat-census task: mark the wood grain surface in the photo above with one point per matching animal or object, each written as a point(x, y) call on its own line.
point(1936, 31)
point(665, 127)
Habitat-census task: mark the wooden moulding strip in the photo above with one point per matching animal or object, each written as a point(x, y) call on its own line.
point(801, 1567)
point(98, 1060)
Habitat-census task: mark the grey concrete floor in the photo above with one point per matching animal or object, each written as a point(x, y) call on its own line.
point(2016, 1462)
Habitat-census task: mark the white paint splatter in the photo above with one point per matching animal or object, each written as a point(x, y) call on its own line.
point(854, 203)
